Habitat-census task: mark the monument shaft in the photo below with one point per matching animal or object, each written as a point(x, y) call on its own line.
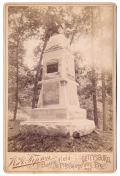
point(59, 89)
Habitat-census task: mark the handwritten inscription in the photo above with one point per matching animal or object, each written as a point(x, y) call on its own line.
point(78, 162)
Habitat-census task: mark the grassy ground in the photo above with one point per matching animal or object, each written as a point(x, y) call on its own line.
point(97, 141)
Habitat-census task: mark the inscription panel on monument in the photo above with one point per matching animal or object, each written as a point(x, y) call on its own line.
point(72, 94)
point(49, 114)
point(51, 93)
point(51, 68)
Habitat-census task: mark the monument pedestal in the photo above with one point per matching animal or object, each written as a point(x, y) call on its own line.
point(62, 128)
point(58, 110)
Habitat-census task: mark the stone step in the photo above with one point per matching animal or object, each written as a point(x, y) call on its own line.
point(58, 128)
point(57, 113)
point(48, 114)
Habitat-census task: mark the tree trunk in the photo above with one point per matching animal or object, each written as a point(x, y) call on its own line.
point(34, 93)
point(104, 101)
point(16, 102)
point(37, 75)
point(95, 109)
point(102, 76)
point(93, 75)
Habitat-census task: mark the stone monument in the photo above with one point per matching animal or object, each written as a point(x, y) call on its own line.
point(58, 111)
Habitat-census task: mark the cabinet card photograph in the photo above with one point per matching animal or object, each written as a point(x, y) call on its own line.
point(59, 88)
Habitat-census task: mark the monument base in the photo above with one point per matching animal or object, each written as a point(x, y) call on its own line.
point(58, 128)
point(57, 114)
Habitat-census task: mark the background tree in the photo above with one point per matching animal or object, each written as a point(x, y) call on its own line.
point(18, 77)
point(102, 74)
point(95, 86)
point(91, 32)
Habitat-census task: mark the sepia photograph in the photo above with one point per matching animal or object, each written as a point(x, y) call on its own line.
point(60, 87)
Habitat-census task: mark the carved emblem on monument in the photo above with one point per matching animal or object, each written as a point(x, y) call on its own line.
point(63, 82)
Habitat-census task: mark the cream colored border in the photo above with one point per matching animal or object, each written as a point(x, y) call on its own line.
point(5, 85)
